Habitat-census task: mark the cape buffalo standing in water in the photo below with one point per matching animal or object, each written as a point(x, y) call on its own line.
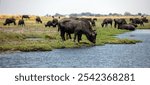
point(8, 21)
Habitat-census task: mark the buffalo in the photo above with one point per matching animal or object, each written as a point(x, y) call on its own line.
point(88, 22)
point(21, 22)
point(95, 19)
point(127, 27)
point(59, 17)
point(8, 21)
point(145, 20)
point(49, 24)
point(136, 21)
point(106, 22)
point(25, 16)
point(38, 20)
point(55, 22)
point(93, 22)
point(119, 22)
point(78, 27)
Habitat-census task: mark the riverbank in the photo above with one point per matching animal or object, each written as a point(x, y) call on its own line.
point(44, 41)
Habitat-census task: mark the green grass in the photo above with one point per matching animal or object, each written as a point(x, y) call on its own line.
point(16, 41)
point(16, 38)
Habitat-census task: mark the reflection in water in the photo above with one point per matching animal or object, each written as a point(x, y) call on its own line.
point(133, 55)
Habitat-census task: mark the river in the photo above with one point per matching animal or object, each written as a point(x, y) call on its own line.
point(107, 56)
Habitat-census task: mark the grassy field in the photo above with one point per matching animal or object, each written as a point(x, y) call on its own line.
point(35, 37)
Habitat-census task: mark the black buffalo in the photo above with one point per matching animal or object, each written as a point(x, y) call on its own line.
point(106, 22)
point(88, 22)
point(38, 20)
point(25, 16)
point(21, 22)
point(8, 21)
point(127, 27)
point(93, 22)
point(78, 27)
point(119, 22)
point(55, 22)
point(137, 21)
point(49, 24)
point(95, 19)
point(144, 19)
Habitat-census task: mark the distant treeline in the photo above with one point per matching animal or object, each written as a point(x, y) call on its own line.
point(93, 14)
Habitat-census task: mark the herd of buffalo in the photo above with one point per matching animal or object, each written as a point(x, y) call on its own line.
point(79, 26)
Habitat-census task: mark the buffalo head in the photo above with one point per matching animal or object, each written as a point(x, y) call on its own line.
point(92, 37)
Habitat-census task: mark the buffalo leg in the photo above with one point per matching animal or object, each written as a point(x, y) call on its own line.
point(75, 35)
point(79, 37)
point(106, 25)
point(14, 23)
point(142, 24)
point(62, 36)
point(111, 24)
point(69, 36)
point(115, 25)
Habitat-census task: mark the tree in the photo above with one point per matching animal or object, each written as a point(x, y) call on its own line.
point(57, 14)
point(140, 14)
point(116, 14)
point(110, 14)
point(127, 14)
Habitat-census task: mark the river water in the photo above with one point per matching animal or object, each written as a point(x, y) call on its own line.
point(110, 55)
